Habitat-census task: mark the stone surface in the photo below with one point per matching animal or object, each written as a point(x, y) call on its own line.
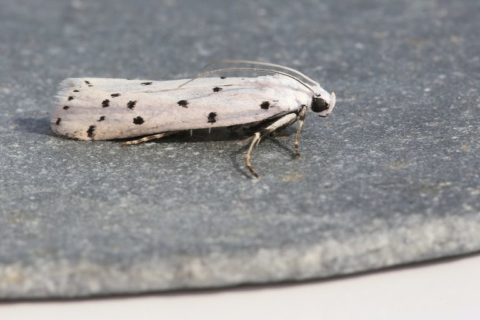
point(392, 177)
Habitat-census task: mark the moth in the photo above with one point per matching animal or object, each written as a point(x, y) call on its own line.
point(146, 110)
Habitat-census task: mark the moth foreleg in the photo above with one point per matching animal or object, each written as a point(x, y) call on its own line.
point(278, 124)
point(301, 121)
point(148, 138)
point(248, 156)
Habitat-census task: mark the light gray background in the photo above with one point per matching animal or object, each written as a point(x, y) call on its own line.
point(390, 178)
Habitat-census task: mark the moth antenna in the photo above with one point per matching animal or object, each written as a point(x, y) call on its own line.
point(200, 75)
point(266, 64)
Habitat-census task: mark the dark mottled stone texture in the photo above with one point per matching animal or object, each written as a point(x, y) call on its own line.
point(392, 177)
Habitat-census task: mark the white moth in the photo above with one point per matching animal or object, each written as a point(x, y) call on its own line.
point(144, 110)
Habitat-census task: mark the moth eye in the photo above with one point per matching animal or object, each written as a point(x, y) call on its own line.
point(319, 105)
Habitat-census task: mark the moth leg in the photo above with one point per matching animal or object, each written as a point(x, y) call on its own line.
point(257, 137)
point(248, 156)
point(301, 121)
point(148, 138)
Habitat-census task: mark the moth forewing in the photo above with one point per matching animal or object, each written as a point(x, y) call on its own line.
point(105, 109)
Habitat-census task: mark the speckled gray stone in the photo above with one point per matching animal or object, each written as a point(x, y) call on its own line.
point(392, 177)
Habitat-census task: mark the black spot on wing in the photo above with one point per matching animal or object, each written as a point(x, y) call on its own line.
point(76, 90)
point(217, 89)
point(131, 104)
point(91, 132)
point(138, 120)
point(105, 103)
point(89, 83)
point(66, 107)
point(265, 105)
point(212, 117)
point(70, 98)
point(223, 77)
point(102, 118)
point(58, 121)
point(146, 83)
point(114, 95)
point(183, 103)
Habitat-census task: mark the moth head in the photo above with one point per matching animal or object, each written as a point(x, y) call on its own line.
point(323, 104)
